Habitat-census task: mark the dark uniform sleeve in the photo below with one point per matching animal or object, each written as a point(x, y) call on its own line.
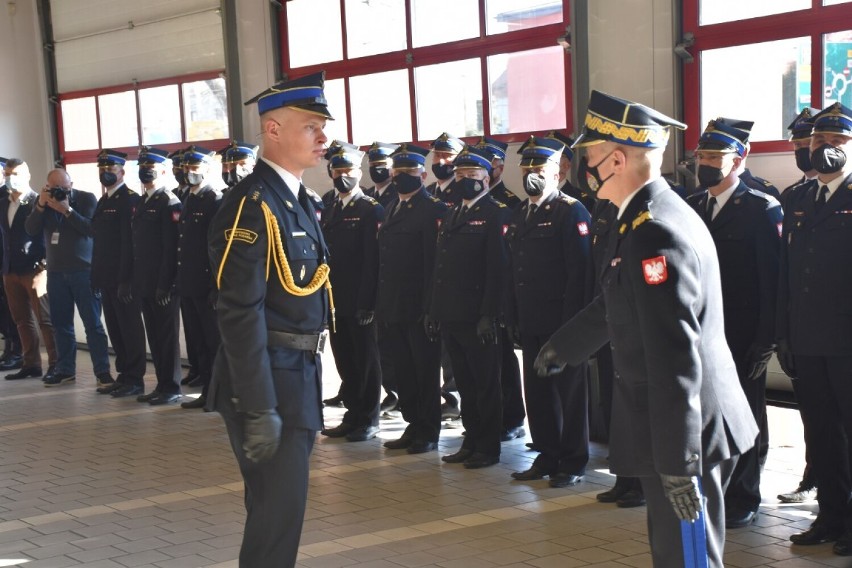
point(576, 247)
point(125, 272)
point(370, 269)
point(431, 222)
point(768, 266)
point(583, 335)
point(169, 217)
point(495, 264)
point(241, 302)
point(669, 330)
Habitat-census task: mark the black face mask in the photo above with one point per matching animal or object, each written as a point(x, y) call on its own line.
point(708, 176)
point(443, 171)
point(345, 184)
point(108, 179)
point(534, 184)
point(147, 175)
point(469, 188)
point(803, 159)
point(828, 159)
point(406, 183)
point(379, 174)
point(228, 179)
point(588, 176)
point(180, 176)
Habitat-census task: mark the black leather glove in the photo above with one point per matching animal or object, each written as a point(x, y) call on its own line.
point(684, 495)
point(262, 434)
point(432, 327)
point(213, 298)
point(514, 334)
point(757, 357)
point(365, 317)
point(125, 293)
point(486, 330)
point(163, 297)
point(548, 362)
point(786, 359)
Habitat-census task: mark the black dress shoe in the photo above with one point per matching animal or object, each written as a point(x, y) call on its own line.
point(479, 460)
point(531, 474)
point(334, 401)
point(843, 546)
point(400, 443)
point(197, 383)
point(450, 411)
point(510, 434)
point(737, 519)
point(190, 376)
point(51, 370)
point(389, 403)
point(10, 362)
point(108, 389)
point(163, 398)
point(819, 533)
point(24, 373)
point(612, 495)
point(457, 457)
point(338, 431)
point(532, 447)
point(147, 397)
point(630, 499)
point(121, 391)
point(565, 479)
point(421, 447)
point(196, 403)
point(362, 434)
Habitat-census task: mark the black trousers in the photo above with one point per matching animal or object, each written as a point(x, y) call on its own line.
point(417, 364)
point(162, 328)
point(510, 383)
point(824, 391)
point(664, 528)
point(201, 331)
point(276, 493)
point(477, 371)
point(190, 340)
point(356, 354)
point(743, 492)
point(558, 412)
point(127, 336)
point(389, 380)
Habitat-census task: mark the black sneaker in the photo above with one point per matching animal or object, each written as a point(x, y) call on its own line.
point(104, 379)
point(58, 379)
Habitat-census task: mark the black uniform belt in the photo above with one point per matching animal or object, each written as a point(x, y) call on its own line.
point(313, 342)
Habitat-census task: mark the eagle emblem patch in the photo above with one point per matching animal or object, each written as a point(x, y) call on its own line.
point(583, 228)
point(655, 270)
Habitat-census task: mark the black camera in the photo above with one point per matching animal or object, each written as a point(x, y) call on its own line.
point(58, 193)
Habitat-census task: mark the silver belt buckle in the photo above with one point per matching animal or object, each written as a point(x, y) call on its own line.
point(321, 339)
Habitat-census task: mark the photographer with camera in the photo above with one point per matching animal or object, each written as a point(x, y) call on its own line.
point(64, 216)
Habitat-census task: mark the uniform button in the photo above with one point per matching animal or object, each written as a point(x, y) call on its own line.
point(805, 289)
point(692, 459)
point(313, 247)
point(178, 263)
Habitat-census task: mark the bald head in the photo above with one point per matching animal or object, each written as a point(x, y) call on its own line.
point(59, 178)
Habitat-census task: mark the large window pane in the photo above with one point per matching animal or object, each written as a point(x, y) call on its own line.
point(527, 90)
point(376, 26)
point(79, 124)
point(118, 119)
point(717, 11)
point(443, 21)
point(380, 107)
point(159, 108)
point(510, 15)
point(85, 177)
point(833, 2)
point(781, 68)
point(335, 94)
point(455, 108)
point(205, 107)
point(313, 32)
point(837, 51)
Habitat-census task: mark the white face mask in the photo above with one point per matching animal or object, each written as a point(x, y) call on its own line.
point(15, 183)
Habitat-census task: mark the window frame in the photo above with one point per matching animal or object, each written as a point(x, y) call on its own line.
point(813, 22)
point(90, 155)
point(472, 48)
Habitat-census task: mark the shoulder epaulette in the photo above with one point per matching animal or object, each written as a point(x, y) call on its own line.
point(499, 204)
point(767, 183)
point(760, 194)
point(641, 218)
point(434, 199)
point(370, 200)
point(567, 199)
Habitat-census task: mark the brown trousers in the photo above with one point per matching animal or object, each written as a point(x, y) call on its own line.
point(27, 296)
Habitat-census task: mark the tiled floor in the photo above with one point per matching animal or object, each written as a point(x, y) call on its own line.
point(87, 480)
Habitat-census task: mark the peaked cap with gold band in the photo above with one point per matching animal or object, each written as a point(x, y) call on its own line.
point(447, 143)
point(611, 119)
point(494, 146)
point(565, 139)
point(409, 156)
point(537, 151)
point(109, 157)
point(803, 125)
point(379, 153)
point(721, 135)
point(304, 94)
point(241, 151)
point(346, 157)
point(151, 155)
point(474, 157)
point(836, 119)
